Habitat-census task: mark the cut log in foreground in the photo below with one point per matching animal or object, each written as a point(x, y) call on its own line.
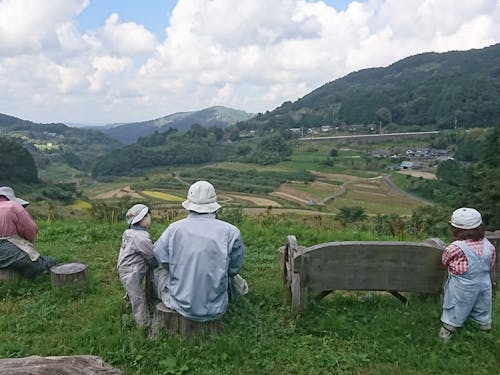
point(65, 365)
point(176, 324)
point(69, 275)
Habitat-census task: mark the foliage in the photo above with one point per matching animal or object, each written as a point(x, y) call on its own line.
point(64, 193)
point(171, 148)
point(271, 150)
point(16, 163)
point(245, 180)
point(334, 152)
point(450, 172)
point(481, 184)
point(352, 214)
point(233, 215)
point(76, 146)
point(110, 212)
point(347, 333)
point(428, 91)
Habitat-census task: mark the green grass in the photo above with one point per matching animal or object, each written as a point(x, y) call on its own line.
point(347, 333)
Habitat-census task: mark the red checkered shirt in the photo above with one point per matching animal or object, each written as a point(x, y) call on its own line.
point(454, 258)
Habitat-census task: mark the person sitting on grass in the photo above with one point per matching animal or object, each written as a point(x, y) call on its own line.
point(470, 258)
point(135, 260)
point(18, 232)
point(203, 256)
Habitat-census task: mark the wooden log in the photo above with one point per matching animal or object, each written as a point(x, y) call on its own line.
point(63, 365)
point(69, 275)
point(9, 276)
point(175, 324)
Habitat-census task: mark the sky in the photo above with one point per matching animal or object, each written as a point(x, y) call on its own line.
point(113, 61)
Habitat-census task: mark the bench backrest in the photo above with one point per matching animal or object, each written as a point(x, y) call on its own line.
point(371, 265)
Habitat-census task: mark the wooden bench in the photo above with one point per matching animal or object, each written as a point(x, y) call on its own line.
point(360, 265)
point(494, 238)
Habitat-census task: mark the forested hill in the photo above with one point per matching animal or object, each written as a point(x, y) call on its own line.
point(429, 90)
point(213, 116)
point(76, 146)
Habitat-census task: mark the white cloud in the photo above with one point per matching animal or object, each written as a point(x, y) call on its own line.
point(126, 38)
point(250, 54)
point(29, 26)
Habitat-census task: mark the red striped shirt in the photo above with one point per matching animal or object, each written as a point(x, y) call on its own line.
point(454, 258)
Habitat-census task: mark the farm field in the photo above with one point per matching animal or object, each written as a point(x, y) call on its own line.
point(347, 333)
point(328, 192)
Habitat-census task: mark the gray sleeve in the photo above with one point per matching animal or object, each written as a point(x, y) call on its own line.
point(236, 256)
point(145, 247)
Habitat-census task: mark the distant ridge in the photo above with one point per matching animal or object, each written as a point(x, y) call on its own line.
point(214, 116)
point(428, 91)
point(78, 147)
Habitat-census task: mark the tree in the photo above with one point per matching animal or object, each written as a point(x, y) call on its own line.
point(450, 172)
point(16, 163)
point(384, 114)
point(334, 153)
point(351, 214)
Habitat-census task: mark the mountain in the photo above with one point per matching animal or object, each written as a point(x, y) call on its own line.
point(430, 90)
point(16, 163)
point(214, 116)
point(57, 142)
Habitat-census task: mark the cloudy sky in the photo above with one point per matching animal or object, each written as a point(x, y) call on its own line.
point(107, 61)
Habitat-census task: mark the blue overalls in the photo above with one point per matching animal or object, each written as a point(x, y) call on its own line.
point(469, 294)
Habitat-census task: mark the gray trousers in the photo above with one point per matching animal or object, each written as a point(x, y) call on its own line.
point(11, 257)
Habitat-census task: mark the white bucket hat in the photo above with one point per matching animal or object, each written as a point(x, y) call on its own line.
point(8, 193)
point(466, 218)
point(201, 198)
point(136, 213)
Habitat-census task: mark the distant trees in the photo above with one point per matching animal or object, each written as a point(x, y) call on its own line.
point(450, 172)
point(16, 163)
point(481, 181)
point(351, 214)
point(271, 149)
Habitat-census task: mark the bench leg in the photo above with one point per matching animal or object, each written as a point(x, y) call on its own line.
point(399, 296)
point(299, 295)
point(323, 294)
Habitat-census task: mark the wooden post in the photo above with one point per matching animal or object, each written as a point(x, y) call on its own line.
point(494, 238)
point(176, 324)
point(69, 275)
point(9, 276)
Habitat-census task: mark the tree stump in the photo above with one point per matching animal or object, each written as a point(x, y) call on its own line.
point(69, 276)
point(175, 324)
point(9, 276)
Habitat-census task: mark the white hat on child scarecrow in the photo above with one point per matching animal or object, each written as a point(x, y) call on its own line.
point(8, 193)
point(136, 213)
point(466, 218)
point(201, 198)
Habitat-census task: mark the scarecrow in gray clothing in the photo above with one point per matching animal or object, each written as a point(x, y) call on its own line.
point(135, 260)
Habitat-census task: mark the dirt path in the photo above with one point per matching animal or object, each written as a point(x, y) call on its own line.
point(288, 196)
point(256, 200)
point(392, 186)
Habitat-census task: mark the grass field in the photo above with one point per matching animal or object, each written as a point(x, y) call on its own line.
point(348, 333)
